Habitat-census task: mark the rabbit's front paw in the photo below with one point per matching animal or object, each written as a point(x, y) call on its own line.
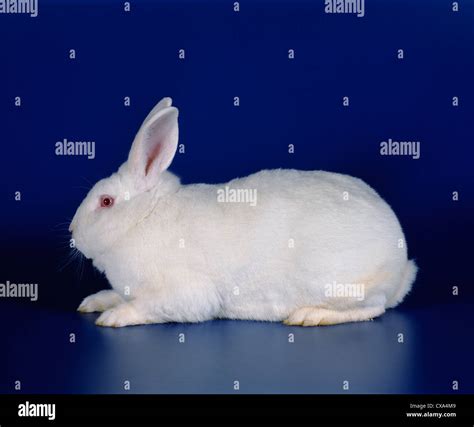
point(100, 301)
point(123, 315)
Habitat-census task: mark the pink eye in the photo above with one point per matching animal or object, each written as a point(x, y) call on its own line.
point(106, 201)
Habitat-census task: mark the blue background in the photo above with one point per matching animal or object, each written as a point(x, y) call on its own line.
point(282, 102)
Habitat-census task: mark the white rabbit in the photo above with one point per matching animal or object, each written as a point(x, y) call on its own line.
point(189, 253)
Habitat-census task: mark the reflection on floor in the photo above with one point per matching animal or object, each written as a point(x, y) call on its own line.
point(420, 350)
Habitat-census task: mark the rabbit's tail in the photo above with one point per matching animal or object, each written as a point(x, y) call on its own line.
point(408, 277)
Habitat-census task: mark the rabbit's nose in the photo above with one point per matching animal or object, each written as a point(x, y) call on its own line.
point(73, 224)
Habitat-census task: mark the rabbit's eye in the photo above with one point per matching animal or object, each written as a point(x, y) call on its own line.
point(106, 201)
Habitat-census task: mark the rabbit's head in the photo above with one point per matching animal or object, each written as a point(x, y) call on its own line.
point(117, 203)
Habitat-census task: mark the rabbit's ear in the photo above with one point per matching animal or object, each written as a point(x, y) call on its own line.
point(164, 103)
point(154, 146)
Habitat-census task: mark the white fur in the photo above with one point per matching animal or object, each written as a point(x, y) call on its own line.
point(173, 253)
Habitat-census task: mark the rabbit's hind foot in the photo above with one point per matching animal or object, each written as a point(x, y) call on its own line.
point(315, 316)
